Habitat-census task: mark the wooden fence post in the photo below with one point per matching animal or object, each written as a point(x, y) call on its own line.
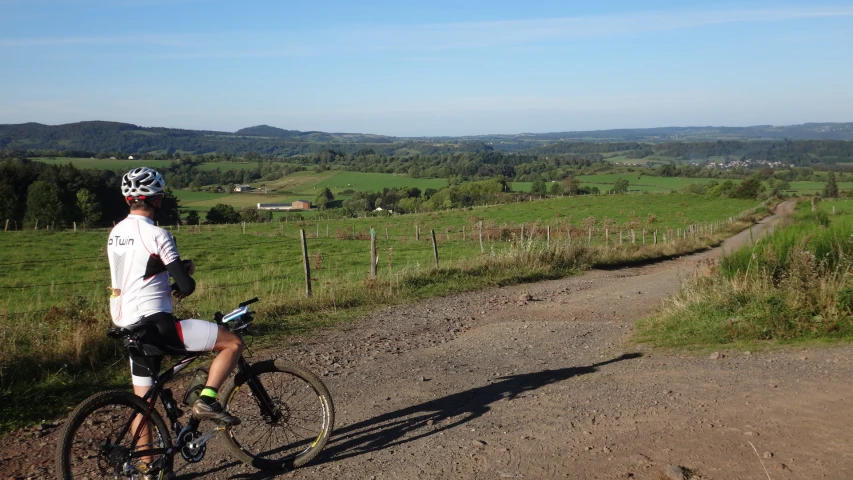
point(417, 232)
point(75, 226)
point(6, 228)
point(390, 271)
point(589, 238)
point(548, 244)
point(305, 262)
point(434, 248)
point(522, 232)
point(373, 258)
point(243, 227)
point(37, 224)
point(481, 236)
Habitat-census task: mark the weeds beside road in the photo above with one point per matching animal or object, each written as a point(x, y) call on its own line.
point(794, 285)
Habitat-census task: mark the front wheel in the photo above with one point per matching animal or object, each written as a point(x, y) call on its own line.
point(290, 433)
point(97, 440)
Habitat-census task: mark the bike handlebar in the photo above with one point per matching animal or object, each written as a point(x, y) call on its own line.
point(248, 302)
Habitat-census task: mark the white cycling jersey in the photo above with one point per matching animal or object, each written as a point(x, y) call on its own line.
point(138, 252)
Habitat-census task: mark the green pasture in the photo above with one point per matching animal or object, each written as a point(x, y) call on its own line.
point(42, 269)
point(637, 181)
point(803, 188)
point(365, 182)
point(306, 186)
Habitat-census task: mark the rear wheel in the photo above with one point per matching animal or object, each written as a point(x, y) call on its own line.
point(299, 427)
point(97, 440)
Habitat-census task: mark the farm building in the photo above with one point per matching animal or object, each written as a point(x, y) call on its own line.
point(243, 188)
point(297, 205)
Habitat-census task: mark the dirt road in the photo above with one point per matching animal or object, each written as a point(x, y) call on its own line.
point(540, 382)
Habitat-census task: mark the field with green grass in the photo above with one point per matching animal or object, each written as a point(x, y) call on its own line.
point(637, 182)
point(306, 186)
point(65, 257)
point(811, 188)
point(647, 183)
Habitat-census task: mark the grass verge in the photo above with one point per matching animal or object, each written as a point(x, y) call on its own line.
point(791, 287)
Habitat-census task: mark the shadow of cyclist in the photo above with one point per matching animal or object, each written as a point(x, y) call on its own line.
point(429, 418)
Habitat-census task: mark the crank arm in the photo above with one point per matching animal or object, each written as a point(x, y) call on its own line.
point(199, 442)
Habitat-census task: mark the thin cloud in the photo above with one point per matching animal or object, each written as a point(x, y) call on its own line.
point(176, 41)
point(436, 37)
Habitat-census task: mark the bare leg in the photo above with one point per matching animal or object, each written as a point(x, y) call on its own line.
point(145, 433)
point(230, 347)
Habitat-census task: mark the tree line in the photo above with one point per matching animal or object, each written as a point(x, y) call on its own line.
point(34, 193)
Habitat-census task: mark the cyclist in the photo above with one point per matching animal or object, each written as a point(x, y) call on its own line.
point(142, 258)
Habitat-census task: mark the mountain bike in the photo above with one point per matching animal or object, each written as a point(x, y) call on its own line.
point(286, 415)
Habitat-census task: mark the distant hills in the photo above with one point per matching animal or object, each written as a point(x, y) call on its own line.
point(806, 131)
point(102, 136)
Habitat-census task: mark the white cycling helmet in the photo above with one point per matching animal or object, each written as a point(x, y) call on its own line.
point(141, 183)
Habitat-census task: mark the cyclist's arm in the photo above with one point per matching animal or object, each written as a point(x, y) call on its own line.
point(184, 283)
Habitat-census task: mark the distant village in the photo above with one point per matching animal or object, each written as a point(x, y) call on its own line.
point(747, 164)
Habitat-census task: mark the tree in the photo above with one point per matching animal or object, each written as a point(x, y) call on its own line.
point(43, 204)
point(168, 213)
point(831, 188)
point(324, 198)
point(89, 207)
point(667, 170)
point(9, 203)
point(254, 215)
point(538, 187)
point(749, 188)
point(555, 189)
point(222, 213)
point(621, 186)
point(193, 218)
point(571, 186)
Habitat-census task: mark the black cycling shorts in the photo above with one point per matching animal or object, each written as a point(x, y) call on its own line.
point(165, 332)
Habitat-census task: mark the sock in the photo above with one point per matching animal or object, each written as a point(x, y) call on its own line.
point(208, 395)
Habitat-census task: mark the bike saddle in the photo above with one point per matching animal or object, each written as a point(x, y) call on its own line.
point(118, 333)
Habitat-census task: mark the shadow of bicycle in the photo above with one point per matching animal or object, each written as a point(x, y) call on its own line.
point(429, 418)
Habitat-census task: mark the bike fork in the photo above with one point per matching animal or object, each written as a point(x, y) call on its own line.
point(267, 406)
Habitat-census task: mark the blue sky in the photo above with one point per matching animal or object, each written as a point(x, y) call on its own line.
point(426, 68)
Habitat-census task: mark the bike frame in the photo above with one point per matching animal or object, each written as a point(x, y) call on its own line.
point(157, 390)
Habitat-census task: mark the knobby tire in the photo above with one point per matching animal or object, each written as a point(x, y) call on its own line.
point(305, 425)
point(82, 432)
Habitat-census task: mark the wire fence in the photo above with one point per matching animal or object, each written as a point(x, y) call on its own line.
point(275, 260)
